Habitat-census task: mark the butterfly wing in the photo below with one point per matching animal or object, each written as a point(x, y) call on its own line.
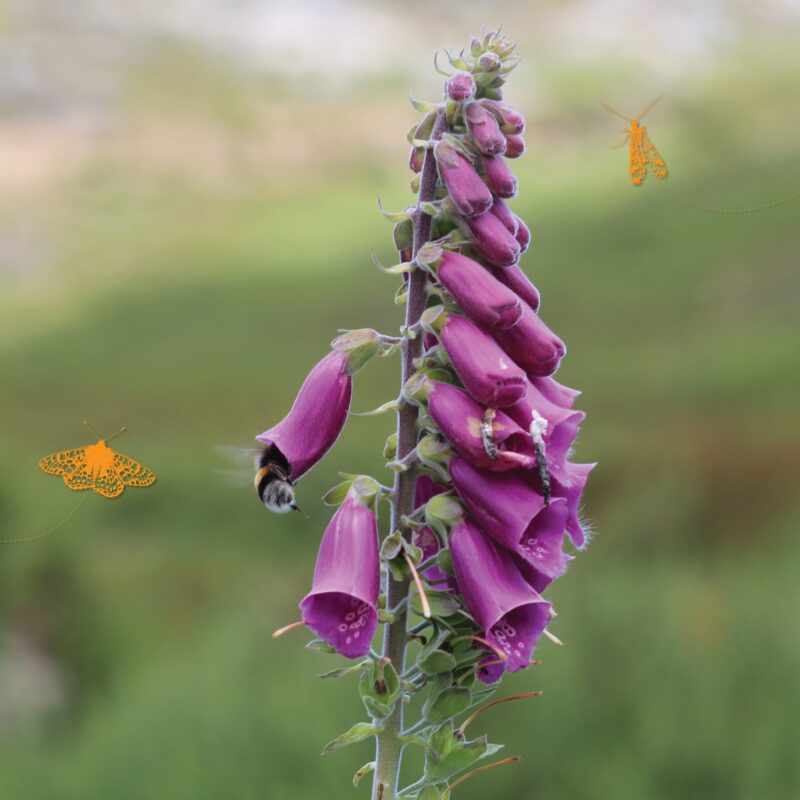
point(131, 472)
point(656, 163)
point(63, 463)
point(108, 483)
point(79, 477)
point(637, 165)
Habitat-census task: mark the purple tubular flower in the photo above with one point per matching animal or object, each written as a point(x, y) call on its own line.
point(519, 283)
point(532, 344)
point(470, 194)
point(504, 214)
point(562, 423)
point(503, 505)
point(460, 87)
point(499, 178)
point(555, 392)
point(515, 146)
point(487, 373)
point(511, 121)
point(481, 297)
point(493, 240)
point(484, 130)
point(461, 420)
point(342, 605)
point(540, 555)
point(317, 417)
point(569, 481)
point(512, 614)
point(523, 234)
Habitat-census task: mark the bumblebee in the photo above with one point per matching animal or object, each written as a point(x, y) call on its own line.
point(272, 482)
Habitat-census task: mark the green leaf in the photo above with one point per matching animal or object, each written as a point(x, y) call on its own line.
point(358, 733)
point(342, 671)
point(444, 561)
point(423, 105)
point(365, 770)
point(441, 741)
point(321, 647)
point(392, 546)
point(448, 704)
point(376, 708)
point(336, 495)
point(463, 755)
point(431, 792)
point(437, 661)
point(442, 604)
point(412, 738)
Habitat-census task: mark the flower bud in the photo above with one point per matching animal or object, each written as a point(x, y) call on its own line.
point(460, 87)
point(341, 607)
point(317, 417)
point(487, 373)
point(480, 296)
point(493, 240)
point(515, 146)
point(461, 420)
point(511, 121)
point(518, 282)
point(499, 178)
point(489, 62)
point(503, 213)
point(484, 130)
point(523, 235)
point(532, 344)
point(469, 193)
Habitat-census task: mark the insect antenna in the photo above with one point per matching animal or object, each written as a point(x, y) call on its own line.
point(86, 423)
point(658, 97)
point(295, 507)
point(614, 111)
point(121, 430)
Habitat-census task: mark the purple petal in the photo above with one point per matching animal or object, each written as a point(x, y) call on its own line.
point(540, 554)
point(504, 214)
point(484, 130)
point(518, 282)
point(503, 504)
point(481, 297)
point(499, 177)
point(532, 344)
point(562, 423)
point(523, 235)
point(469, 192)
point(459, 418)
point(510, 612)
point(342, 605)
point(317, 417)
point(487, 373)
point(568, 482)
point(493, 240)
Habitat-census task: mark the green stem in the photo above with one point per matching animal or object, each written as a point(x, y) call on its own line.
point(395, 639)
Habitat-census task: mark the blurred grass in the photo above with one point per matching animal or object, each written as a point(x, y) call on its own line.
point(190, 311)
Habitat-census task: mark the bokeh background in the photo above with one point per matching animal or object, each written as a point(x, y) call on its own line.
point(187, 209)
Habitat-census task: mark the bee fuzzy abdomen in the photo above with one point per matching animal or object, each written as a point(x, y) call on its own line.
point(277, 495)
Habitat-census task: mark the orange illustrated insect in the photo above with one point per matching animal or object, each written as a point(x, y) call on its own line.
point(98, 467)
point(643, 154)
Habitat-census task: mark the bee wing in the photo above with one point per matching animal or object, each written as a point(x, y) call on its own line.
point(237, 455)
point(656, 163)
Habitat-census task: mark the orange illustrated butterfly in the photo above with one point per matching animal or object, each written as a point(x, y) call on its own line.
point(98, 467)
point(643, 156)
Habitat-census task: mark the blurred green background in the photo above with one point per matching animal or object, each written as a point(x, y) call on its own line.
point(187, 208)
